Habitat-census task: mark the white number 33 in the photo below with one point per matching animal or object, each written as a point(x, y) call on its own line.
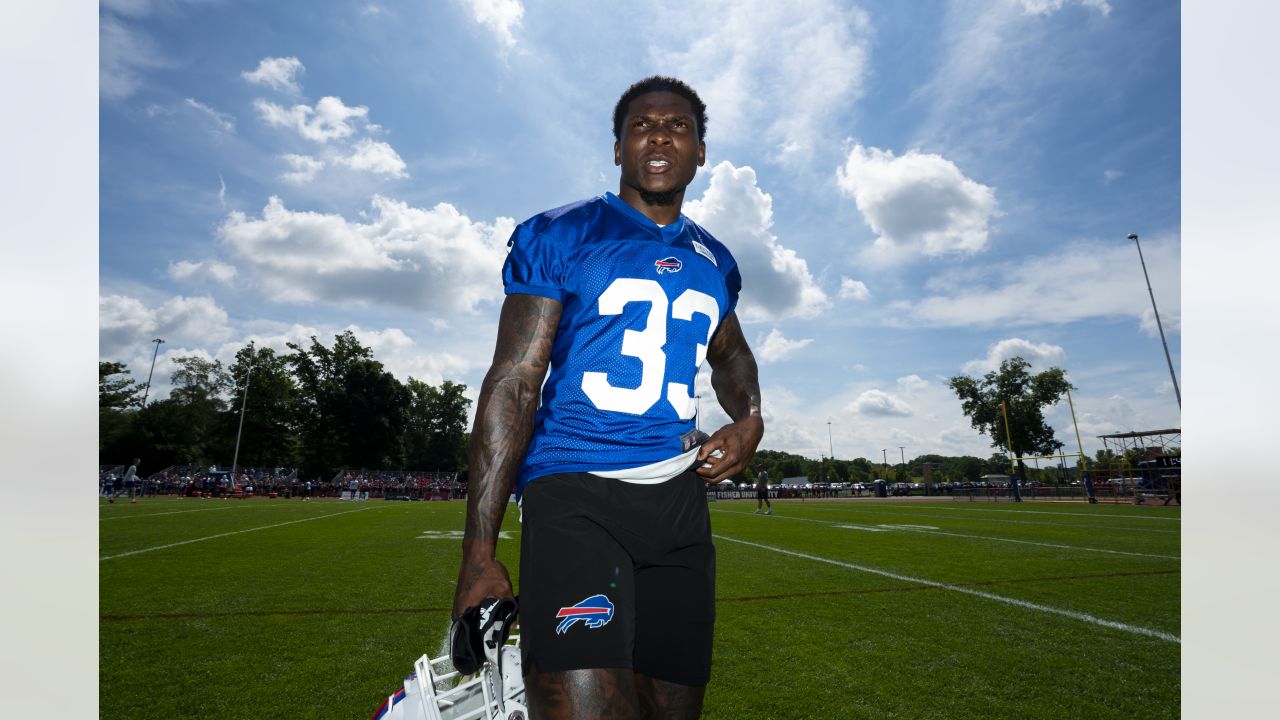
point(647, 345)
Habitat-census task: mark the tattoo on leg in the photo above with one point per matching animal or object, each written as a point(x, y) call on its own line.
point(605, 693)
point(668, 700)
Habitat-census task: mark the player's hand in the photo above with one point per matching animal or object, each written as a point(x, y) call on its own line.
point(730, 449)
point(479, 580)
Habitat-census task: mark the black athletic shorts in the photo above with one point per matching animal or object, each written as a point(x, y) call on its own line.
point(762, 494)
point(617, 575)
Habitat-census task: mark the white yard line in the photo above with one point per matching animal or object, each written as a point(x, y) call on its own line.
point(229, 534)
point(1136, 629)
point(934, 506)
point(917, 529)
point(1041, 544)
point(1002, 520)
point(154, 514)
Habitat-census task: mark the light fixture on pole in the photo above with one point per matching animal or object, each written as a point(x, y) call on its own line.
point(1176, 392)
point(902, 452)
point(243, 400)
point(147, 392)
point(884, 452)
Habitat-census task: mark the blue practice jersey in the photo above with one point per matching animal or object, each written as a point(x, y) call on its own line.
point(640, 305)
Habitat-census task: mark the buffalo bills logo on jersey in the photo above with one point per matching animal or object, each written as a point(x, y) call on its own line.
point(668, 265)
point(594, 612)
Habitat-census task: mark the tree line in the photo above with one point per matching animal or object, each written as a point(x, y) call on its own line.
point(319, 408)
point(324, 408)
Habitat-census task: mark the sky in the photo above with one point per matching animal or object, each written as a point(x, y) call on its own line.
point(912, 190)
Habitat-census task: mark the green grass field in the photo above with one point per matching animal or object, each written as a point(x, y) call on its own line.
point(827, 609)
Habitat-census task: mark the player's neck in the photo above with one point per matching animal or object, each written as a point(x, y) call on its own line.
point(661, 212)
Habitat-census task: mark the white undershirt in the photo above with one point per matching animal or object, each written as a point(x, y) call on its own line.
point(653, 473)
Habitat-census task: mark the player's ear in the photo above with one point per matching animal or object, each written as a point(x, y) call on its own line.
point(617, 153)
point(702, 154)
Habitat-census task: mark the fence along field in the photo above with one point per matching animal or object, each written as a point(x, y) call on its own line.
point(844, 609)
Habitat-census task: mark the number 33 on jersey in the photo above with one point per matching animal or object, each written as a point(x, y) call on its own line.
point(640, 305)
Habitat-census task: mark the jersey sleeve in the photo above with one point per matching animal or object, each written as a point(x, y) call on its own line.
point(535, 264)
point(733, 286)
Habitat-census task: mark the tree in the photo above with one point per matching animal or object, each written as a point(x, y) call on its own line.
point(1024, 396)
point(351, 411)
point(436, 426)
point(117, 402)
point(190, 426)
point(269, 435)
point(116, 389)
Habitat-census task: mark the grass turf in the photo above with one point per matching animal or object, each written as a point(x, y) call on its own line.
point(289, 609)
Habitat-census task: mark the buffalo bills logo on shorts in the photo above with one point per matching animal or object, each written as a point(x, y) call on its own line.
point(668, 265)
point(594, 612)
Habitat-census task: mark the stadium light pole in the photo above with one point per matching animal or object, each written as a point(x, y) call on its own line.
point(243, 400)
point(147, 392)
point(884, 453)
point(1177, 393)
point(830, 445)
point(902, 452)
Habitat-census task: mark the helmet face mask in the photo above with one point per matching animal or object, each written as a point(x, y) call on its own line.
point(437, 690)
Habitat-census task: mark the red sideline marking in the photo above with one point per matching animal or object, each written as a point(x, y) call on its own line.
point(566, 612)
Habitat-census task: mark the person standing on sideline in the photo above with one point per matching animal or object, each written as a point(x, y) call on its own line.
point(762, 492)
point(130, 483)
point(1088, 487)
point(615, 301)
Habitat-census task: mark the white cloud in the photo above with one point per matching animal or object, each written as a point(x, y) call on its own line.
point(916, 203)
point(1083, 280)
point(1171, 321)
point(912, 383)
point(215, 270)
point(1110, 176)
point(277, 73)
point(776, 281)
point(501, 17)
point(222, 120)
point(327, 121)
point(405, 358)
point(304, 167)
point(775, 347)
point(1040, 355)
point(1046, 7)
point(437, 260)
point(810, 56)
point(880, 403)
point(125, 54)
point(126, 324)
point(375, 157)
point(853, 289)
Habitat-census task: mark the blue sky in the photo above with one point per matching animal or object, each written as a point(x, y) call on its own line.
point(912, 190)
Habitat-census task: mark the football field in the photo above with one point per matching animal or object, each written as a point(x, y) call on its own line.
point(827, 609)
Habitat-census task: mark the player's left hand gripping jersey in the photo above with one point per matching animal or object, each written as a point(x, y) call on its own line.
point(640, 305)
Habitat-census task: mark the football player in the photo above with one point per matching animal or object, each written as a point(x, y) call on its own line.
point(615, 301)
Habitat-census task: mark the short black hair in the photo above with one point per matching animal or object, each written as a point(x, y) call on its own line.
point(660, 83)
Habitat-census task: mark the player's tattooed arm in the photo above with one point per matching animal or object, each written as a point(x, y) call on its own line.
point(503, 427)
point(736, 380)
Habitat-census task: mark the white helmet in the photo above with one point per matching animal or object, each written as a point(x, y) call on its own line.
point(436, 690)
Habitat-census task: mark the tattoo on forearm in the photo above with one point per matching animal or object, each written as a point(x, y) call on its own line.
point(505, 413)
point(734, 374)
